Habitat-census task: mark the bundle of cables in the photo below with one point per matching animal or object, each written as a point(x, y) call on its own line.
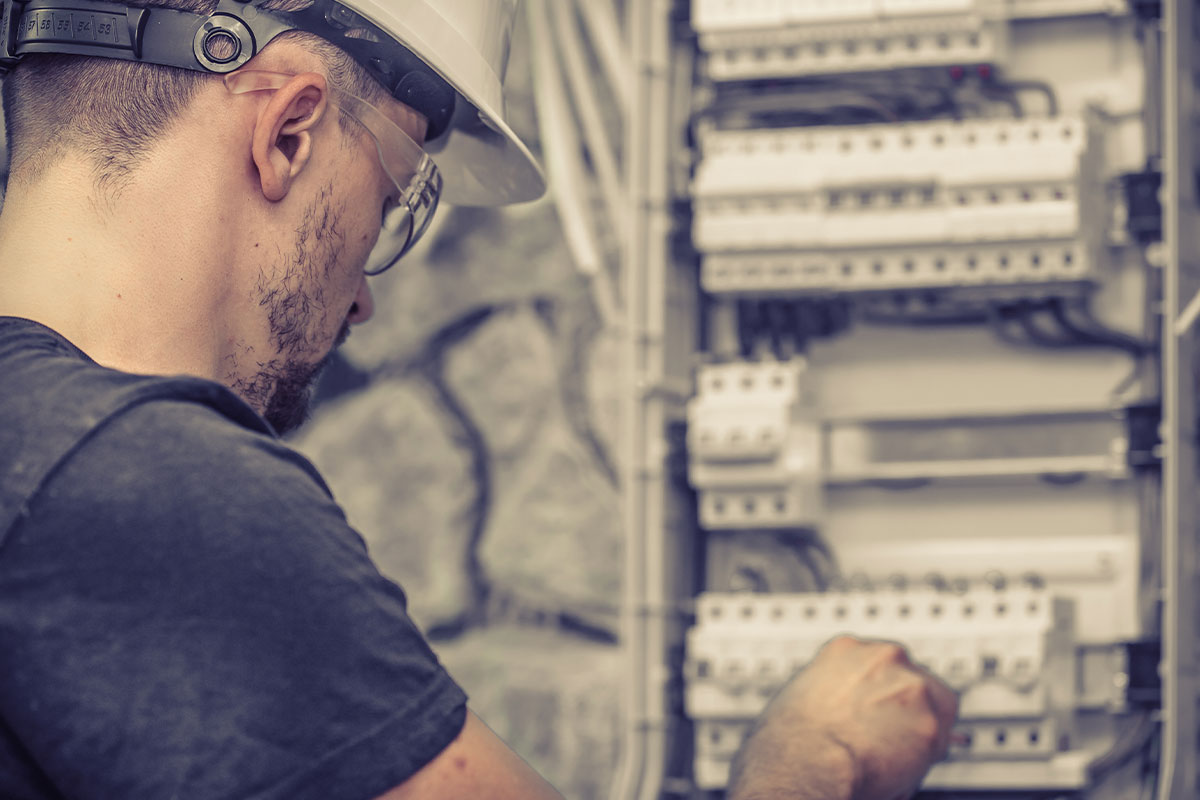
point(786, 326)
point(1059, 323)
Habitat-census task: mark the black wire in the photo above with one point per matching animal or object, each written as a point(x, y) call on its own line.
point(820, 581)
point(840, 318)
point(1025, 312)
point(1000, 318)
point(758, 581)
point(804, 543)
point(1070, 333)
point(747, 327)
point(1129, 745)
point(781, 317)
point(949, 319)
point(1006, 95)
point(1041, 87)
point(824, 101)
point(1091, 331)
point(787, 327)
point(806, 328)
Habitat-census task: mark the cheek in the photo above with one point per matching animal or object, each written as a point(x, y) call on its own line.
point(362, 231)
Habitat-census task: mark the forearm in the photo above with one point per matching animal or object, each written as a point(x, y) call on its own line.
point(797, 766)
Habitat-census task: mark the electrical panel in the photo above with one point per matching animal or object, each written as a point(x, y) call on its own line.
point(926, 349)
point(1008, 652)
point(873, 208)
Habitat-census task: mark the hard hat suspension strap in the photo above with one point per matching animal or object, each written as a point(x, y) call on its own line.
point(217, 43)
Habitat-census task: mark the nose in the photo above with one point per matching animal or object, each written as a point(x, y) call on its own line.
point(364, 304)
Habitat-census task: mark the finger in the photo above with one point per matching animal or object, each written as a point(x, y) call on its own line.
point(944, 703)
point(942, 698)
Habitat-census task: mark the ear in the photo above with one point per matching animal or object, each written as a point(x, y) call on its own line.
point(282, 141)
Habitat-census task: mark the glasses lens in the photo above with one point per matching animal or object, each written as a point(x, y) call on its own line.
point(406, 220)
point(395, 237)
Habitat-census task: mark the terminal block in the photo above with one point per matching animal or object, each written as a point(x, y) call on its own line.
point(753, 39)
point(910, 206)
point(1010, 653)
point(754, 446)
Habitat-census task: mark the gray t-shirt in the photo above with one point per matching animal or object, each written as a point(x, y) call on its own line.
point(184, 611)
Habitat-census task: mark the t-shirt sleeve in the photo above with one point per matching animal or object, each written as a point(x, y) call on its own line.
point(185, 613)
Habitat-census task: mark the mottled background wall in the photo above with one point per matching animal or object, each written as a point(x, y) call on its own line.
point(469, 432)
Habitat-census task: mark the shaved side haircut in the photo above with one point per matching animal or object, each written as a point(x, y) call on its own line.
point(112, 110)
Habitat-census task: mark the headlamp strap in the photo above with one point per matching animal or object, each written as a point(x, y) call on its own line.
point(220, 42)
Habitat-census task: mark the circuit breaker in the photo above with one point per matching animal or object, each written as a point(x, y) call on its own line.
point(761, 38)
point(755, 446)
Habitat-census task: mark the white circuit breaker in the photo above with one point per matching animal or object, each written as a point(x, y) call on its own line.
point(918, 205)
point(1010, 653)
point(756, 39)
point(751, 39)
point(754, 443)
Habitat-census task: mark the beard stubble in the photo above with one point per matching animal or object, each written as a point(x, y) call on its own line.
point(298, 318)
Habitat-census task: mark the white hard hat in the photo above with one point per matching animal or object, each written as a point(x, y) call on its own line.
point(466, 42)
point(445, 58)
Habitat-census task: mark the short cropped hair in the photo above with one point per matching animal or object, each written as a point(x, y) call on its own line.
point(112, 110)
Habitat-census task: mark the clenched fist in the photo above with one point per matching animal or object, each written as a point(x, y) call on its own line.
point(861, 722)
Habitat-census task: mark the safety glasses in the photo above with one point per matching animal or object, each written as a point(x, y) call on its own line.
point(406, 215)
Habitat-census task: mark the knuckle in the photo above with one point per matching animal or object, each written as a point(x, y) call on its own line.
point(913, 693)
point(843, 643)
point(926, 727)
point(889, 654)
point(951, 699)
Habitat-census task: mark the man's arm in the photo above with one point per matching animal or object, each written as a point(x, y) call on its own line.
point(860, 723)
point(479, 765)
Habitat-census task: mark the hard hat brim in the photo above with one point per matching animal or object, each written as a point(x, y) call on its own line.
point(482, 160)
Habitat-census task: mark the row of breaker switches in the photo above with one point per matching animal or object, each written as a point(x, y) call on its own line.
point(873, 208)
point(756, 39)
point(1010, 653)
point(999, 742)
point(715, 16)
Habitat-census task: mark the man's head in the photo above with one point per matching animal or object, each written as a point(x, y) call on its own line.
point(207, 212)
point(295, 190)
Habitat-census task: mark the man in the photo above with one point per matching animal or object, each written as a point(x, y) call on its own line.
point(184, 612)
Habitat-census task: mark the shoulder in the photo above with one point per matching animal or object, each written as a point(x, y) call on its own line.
point(180, 475)
point(179, 443)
